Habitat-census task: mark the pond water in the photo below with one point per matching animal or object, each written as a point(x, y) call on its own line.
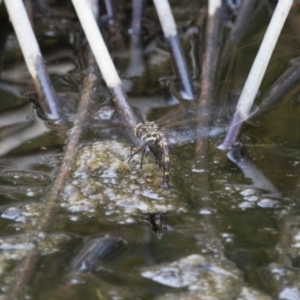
point(229, 227)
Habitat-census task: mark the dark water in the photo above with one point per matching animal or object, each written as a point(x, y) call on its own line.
point(240, 209)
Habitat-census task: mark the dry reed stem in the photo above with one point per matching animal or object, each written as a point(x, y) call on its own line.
point(280, 88)
point(33, 58)
point(210, 59)
point(209, 64)
point(168, 25)
point(136, 66)
point(104, 61)
point(237, 32)
point(257, 72)
point(114, 27)
point(97, 44)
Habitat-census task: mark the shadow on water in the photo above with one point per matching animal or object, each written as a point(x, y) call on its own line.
point(228, 229)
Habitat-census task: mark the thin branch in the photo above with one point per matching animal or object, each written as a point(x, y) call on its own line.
point(136, 28)
point(88, 93)
point(238, 31)
point(210, 59)
point(212, 50)
point(257, 72)
point(136, 66)
point(27, 269)
point(114, 27)
point(170, 32)
point(280, 88)
point(33, 58)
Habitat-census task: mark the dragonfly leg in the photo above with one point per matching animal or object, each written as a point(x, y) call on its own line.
point(143, 153)
point(143, 148)
point(156, 156)
point(131, 156)
point(166, 162)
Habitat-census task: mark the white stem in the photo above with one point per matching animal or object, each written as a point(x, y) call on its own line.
point(262, 58)
point(95, 39)
point(94, 5)
point(213, 5)
point(28, 43)
point(165, 17)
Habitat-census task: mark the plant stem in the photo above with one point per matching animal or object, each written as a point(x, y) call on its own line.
point(257, 72)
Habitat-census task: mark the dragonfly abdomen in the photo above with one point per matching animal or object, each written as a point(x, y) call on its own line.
point(166, 160)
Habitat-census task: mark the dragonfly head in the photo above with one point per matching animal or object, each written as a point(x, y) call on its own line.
point(147, 128)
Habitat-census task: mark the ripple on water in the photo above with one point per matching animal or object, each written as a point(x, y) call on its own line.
point(26, 178)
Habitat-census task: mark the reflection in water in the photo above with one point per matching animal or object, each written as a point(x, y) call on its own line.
point(159, 224)
point(19, 126)
point(238, 156)
point(97, 251)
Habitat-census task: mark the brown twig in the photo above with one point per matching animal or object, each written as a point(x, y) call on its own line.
point(280, 88)
point(26, 271)
point(114, 27)
point(237, 32)
point(210, 59)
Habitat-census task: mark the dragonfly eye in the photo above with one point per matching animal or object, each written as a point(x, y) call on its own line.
point(138, 128)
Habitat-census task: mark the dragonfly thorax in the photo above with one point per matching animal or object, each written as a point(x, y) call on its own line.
point(147, 132)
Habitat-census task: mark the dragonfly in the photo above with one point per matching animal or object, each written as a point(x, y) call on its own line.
point(152, 132)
